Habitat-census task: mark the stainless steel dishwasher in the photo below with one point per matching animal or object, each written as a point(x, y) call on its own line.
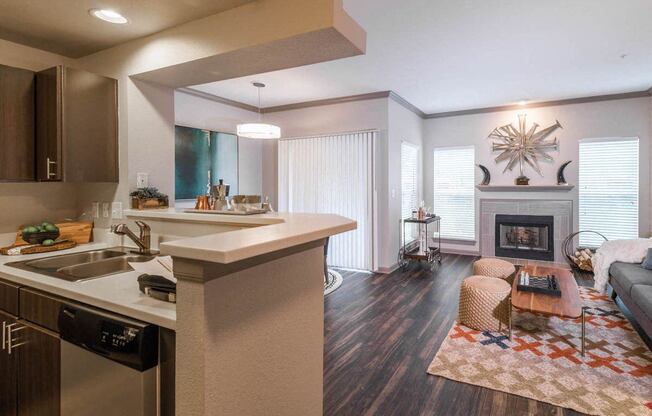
point(108, 364)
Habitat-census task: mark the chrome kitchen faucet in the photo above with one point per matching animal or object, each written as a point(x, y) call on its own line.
point(144, 242)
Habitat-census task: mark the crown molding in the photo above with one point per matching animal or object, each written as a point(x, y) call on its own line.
point(328, 101)
point(408, 105)
point(591, 99)
point(405, 103)
point(217, 98)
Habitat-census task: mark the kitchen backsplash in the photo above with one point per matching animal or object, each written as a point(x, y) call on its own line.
point(26, 203)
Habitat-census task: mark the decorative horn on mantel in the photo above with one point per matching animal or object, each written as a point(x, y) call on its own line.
point(561, 179)
point(487, 176)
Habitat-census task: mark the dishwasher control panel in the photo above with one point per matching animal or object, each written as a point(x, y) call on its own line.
point(124, 340)
point(119, 337)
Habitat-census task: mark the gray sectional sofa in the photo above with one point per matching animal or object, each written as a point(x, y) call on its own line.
point(633, 285)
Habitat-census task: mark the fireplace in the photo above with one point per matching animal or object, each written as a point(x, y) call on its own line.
point(525, 237)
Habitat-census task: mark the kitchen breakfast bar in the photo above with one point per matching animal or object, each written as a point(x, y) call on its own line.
point(245, 337)
point(250, 313)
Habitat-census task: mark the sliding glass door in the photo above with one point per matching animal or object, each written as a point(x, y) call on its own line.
point(332, 174)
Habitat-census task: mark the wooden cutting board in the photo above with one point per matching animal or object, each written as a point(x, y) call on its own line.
point(64, 245)
point(81, 232)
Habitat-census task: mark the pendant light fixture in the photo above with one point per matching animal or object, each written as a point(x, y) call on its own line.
point(259, 130)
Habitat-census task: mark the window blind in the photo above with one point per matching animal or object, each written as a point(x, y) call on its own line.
point(454, 191)
point(409, 179)
point(334, 175)
point(608, 194)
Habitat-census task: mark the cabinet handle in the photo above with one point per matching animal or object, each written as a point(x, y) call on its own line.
point(49, 163)
point(11, 328)
point(4, 335)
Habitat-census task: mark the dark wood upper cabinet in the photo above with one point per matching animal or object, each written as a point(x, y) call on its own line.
point(16, 124)
point(76, 126)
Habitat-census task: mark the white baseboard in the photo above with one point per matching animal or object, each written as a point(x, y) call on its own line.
point(460, 252)
point(386, 270)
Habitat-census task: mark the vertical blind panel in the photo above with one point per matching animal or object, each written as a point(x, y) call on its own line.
point(409, 179)
point(333, 175)
point(409, 187)
point(454, 191)
point(608, 193)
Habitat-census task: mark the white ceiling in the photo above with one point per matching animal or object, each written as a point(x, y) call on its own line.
point(66, 28)
point(444, 55)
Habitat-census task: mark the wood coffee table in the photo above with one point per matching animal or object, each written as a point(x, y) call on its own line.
point(569, 305)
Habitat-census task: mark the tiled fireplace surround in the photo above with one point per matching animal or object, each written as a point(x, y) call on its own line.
point(561, 210)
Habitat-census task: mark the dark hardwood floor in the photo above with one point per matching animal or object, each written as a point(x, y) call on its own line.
point(382, 332)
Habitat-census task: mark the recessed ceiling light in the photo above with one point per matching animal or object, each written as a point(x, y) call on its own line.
point(108, 16)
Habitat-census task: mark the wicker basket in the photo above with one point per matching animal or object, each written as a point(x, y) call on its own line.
point(569, 249)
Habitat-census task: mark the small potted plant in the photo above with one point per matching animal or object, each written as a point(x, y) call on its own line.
point(149, 197)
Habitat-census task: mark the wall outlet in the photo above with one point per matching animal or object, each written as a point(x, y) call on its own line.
point(142, 180)
point(116, 210)
point(105, 210)
point(95, 210)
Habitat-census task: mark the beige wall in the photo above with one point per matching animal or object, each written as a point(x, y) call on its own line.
point(252, 340)
point(406, 126)
point(619, 118)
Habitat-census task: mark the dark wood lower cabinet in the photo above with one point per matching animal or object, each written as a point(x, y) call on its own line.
point(30, 372)
point(39, 372)
point(8, 374)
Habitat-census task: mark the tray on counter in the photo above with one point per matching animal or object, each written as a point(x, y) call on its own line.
point(212, 211)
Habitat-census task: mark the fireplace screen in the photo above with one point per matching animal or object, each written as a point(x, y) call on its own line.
point(525, 236)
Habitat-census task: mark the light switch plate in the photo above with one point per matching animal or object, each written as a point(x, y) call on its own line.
point(142, 180)
point(116, 210)
point(105, 210)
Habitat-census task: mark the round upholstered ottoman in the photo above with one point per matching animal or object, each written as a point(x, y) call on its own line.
point(494, 268)
point(484, 303)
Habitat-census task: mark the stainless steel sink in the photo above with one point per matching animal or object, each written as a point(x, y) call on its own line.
point(86, 265)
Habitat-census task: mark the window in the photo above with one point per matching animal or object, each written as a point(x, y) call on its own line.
point(608, 189)
point(409, 179)
point(454, 191)
point(332, 174)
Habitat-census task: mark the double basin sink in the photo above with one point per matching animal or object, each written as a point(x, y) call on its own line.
point(76, 267)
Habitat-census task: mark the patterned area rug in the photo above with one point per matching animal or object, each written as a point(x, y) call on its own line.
point(543, 361)
point(333, 282)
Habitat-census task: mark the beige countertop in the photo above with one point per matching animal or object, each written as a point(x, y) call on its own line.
point(116, 293)
point(264, 233)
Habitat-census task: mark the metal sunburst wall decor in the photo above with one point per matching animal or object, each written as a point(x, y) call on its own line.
point(523, 146)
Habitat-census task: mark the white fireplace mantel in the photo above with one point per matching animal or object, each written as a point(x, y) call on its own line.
point(525, 188)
